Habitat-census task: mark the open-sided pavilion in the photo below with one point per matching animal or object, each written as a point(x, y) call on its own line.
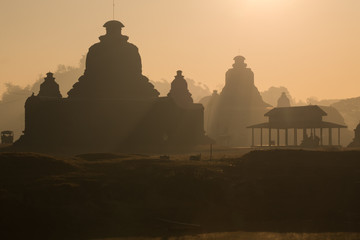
point(296, 118)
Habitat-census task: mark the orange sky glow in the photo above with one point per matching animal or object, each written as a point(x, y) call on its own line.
point(310, 47)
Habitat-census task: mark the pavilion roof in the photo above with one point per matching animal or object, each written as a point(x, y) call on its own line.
point(301, 110)
point(298, 125)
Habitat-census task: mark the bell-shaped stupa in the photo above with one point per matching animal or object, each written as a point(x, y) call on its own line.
point(49, 88)
point(113, 69)
point(179, 91)
point(238, 105)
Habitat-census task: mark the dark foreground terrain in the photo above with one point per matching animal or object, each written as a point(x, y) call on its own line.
point(95, 196)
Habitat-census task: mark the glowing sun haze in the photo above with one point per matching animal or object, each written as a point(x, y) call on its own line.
point(309, 46)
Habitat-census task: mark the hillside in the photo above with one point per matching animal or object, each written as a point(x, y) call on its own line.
point(112, 195)
point(350, 110)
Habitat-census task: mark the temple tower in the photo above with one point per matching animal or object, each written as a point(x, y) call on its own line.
point(239, 103)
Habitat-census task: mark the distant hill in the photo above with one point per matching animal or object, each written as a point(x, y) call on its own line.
point(350, 109)
point(333, 115)
point(272, 95)
point(323, 102)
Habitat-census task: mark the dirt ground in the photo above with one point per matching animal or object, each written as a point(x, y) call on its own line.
point(127, 196)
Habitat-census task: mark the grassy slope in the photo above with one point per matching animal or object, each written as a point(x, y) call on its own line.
point(107, 195)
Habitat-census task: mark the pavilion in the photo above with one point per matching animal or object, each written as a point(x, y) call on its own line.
point(296, 118)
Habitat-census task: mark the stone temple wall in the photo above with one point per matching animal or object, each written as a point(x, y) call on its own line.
point(108, 125)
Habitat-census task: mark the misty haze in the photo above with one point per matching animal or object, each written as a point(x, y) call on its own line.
point(234, 119)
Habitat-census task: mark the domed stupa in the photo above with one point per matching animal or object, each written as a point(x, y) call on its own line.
point(238, 105)
point(49, 88)
point(113, 69)
point(179, 91)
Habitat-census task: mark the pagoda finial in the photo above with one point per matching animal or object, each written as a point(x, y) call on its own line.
point(239, 62)
point(50, 76)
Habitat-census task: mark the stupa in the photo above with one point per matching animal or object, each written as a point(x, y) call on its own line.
point(238, 104)
point(113, 69)
point(283, 101)
point(49, 88)
point(179, 91)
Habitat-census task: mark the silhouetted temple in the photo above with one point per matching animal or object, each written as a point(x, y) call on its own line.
point(238, 105)
point(113, 106)
point(305, 118)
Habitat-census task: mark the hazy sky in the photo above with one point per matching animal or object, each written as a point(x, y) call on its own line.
point(312, 47)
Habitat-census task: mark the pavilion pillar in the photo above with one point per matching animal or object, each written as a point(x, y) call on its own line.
point(321, 137)
point(304, 134)
point(269, 137)
point(286, 137)
point(339, 143)
point(261, 137)
point(278, 137)
point(330, 136)
point(295, 136)
point(252, 135)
